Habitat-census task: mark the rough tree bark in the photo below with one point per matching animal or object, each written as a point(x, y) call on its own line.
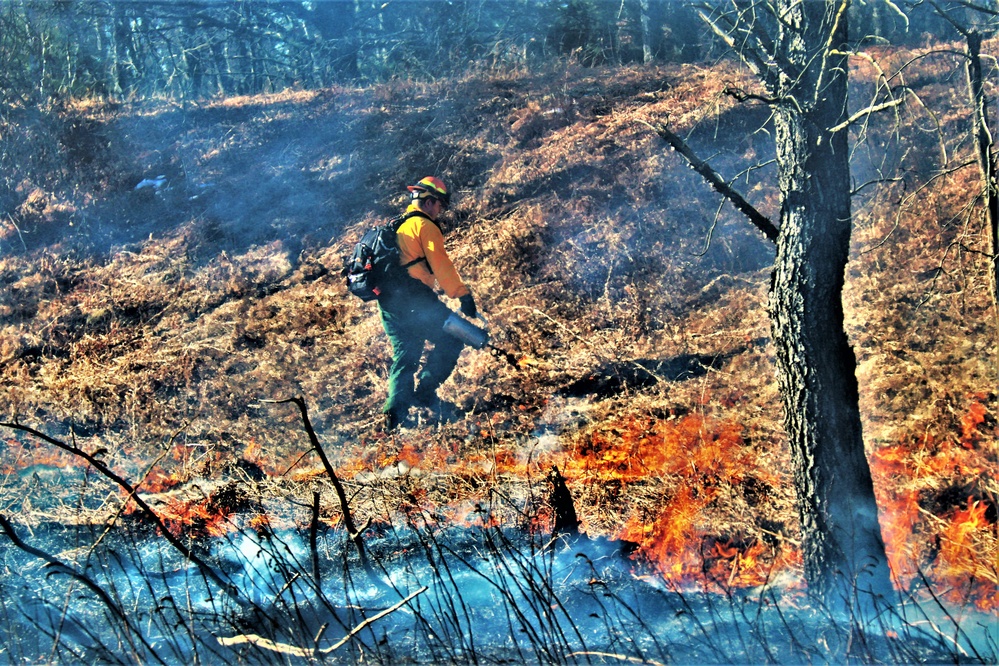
point(799, 51)
point(842, 545)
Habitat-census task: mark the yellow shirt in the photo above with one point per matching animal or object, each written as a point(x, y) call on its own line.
point(420, 238)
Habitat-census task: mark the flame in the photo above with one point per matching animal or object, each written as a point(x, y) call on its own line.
point(159, 481)
point(201, 516)
point(664, 542)
point(527, 362)
point(183, 518)
point(738, 564)
point(705, 456)
point(18, 455)
point(897, 531)
point(970, 422)
point(686, 556)
point(632, 450)
point(961, 560)
point(308, 473)
point(410, 455)
point(469, 514)
point(955, 547)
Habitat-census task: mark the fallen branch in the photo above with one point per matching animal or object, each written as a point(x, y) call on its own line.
point(296, 651)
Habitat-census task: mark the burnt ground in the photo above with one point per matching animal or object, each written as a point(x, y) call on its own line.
point(155, 324)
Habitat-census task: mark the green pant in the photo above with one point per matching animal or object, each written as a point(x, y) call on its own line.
point(412, 316)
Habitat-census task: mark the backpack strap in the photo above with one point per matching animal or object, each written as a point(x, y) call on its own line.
point(397, 224)
point(398, 221)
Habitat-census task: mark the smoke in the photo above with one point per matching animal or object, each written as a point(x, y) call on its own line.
point(491, 594)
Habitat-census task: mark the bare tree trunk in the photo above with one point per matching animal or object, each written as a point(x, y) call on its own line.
point(984, 145)
point(646, 37)
point(842, 545)
point(125, 73)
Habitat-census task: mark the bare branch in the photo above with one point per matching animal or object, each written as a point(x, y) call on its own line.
point(284, 648)
point(977, 7)
point(133, 494)
point(759, 220)
point(831, 49)
point(759, 60)
point(741, 95)
point(867, 112)
point(62, 567)
point(355, 534)
point(899, 12)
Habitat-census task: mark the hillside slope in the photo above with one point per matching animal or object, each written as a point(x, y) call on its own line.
point(157, 321)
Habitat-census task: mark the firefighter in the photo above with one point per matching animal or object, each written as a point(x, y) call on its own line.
point(412, 314)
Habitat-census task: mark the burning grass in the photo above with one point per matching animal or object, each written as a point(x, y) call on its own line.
point(938, 500)
point(155, 329)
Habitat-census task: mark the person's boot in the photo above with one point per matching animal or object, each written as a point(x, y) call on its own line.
point(394, 418)
point(425, 396)
point(440, 411)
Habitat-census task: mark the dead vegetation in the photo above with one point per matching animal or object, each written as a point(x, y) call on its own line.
point(152, 324)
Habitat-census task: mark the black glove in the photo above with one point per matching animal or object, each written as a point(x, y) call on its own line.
point(468, 306)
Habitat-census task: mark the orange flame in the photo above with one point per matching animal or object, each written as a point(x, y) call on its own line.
point(706, 456)
point(955, 548)
point(19, 456)
point(970, 422)
point(186, 518)
point(961, 560)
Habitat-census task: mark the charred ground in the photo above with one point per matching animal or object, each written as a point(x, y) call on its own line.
point(153, 322)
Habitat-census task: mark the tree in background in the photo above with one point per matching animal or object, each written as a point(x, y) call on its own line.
point(973, 22)
point(576, 32)
point(199, 48)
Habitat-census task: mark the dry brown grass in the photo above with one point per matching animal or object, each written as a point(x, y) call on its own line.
point(161, 323)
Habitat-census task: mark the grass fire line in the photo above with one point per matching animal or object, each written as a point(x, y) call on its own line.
point(125, 312)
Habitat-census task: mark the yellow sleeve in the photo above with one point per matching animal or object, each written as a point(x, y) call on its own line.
point(444, 271)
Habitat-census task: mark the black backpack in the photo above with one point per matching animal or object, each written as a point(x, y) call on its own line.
point(374, 263)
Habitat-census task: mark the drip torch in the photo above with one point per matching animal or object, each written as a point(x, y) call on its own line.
point(474, 336)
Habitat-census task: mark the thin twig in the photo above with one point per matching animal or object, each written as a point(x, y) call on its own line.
point(64, 568)
point(314, 541)
point(133, 494)
point(284, 648)
point(355, 534)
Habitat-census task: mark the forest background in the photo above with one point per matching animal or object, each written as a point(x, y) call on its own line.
point(180, 181)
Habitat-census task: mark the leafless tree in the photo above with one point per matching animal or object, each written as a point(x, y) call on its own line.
point(971, 20)
point(799, 51)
